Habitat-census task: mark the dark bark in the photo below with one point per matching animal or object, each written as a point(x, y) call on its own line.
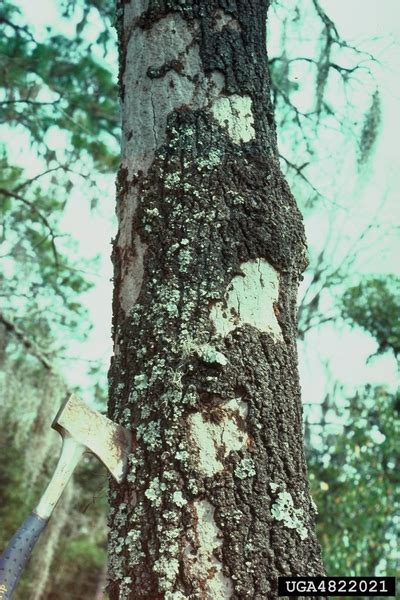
point(212, 209)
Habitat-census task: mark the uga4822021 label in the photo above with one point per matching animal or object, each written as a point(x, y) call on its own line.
point(337, 586)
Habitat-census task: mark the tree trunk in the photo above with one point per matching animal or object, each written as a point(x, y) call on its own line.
point(209, 252)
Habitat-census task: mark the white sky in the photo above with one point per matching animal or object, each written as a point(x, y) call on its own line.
point(374, 24)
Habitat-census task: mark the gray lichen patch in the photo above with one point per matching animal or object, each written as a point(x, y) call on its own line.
point(245, 468)
point(250, 299)
point(167, 569)
point(284, 510)
point(169, 535)
point(235, 113)
point(215, 441)
point(185, 257)
point(175, 596)
point(178, 499)
point(274, 486)
point(211, 160)
point(155, 491)
point(202, 564)
point(150, 434)
point(126, 545)
point(141, 381)
point(209, 354)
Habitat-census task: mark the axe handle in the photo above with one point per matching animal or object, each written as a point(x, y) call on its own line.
point(17, 553)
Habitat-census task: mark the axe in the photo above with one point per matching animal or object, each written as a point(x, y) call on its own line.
point(82, 430)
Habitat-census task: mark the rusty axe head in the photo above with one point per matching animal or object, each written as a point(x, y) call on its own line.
point(110, 442)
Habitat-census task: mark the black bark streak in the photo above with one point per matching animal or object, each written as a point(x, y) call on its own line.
point(202, 207)
point(158, 72)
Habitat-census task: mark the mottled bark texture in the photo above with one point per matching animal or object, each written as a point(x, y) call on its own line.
point(209, 252)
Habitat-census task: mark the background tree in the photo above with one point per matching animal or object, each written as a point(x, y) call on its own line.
point(354, 479)
point(42, 100)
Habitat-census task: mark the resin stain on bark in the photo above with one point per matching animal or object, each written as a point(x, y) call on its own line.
point(215, 441)
point(235, 114)
point(250, 299)
point(163, 72)
point(129, 249)
point(200, 559)
point(132, 275)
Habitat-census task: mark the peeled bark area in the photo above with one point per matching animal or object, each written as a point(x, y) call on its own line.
point(207, 260)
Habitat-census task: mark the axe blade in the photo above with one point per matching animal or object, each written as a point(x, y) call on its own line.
point(110, 442)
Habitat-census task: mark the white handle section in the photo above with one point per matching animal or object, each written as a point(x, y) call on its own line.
point(71, 452)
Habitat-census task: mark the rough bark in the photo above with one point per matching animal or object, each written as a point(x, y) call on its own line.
point(209, 252)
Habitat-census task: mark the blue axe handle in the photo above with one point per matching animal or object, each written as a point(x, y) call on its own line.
point(17, 553)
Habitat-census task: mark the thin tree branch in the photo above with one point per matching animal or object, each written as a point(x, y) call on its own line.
point(29, 181)
point(42, 218)
point(32, 102)
point(17, 28)
point(27, 342)
point(298, 170)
